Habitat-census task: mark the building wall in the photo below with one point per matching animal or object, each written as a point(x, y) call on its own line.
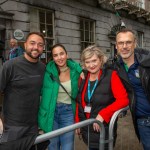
point(67, 14)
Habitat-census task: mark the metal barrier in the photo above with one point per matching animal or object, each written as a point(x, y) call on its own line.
point(111, 126)
point(52, 134)
point(102, 140)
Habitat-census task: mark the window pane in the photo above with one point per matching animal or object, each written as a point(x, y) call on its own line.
point(87, 36)
point(49, 43)
point(49, 31)
point(91, 37)
point(46, 27)
point(49, 18)
point(87, 32)
point(82, 35)
point(42, 29)
point(86, 25)
point(42, 17)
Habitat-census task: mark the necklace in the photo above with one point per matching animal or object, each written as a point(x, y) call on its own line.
point(64, 69)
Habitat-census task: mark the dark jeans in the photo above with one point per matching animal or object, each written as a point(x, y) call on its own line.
point(144, 132)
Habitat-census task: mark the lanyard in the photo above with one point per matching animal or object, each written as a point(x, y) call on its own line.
point(91, 93)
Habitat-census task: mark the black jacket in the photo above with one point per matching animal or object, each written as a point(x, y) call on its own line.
point(143, 58)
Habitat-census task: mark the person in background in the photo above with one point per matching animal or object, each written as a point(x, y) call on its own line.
point(101, 93)
point(133, 68)
point(20, 82)
point(15, 50)
point(57, 107)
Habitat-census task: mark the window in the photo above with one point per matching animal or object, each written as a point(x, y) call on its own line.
point(43, 21)
point(87, 28)
point(140, 36)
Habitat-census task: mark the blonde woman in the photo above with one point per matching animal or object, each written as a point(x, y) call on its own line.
point(101, 94)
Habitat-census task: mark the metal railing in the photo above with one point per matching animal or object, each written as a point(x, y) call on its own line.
point(111, 126)
point(102, 140)
point(52, 134)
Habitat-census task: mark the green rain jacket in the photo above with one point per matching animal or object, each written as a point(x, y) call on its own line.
point(50, 93)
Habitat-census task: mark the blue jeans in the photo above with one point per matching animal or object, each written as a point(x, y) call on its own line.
point(144, 132)
point(63, 117)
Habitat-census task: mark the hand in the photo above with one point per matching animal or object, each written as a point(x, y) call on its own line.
point(82, 75)
point(78, 131)
point(96, 127)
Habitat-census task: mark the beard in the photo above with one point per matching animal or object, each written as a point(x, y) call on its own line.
point(32, 56)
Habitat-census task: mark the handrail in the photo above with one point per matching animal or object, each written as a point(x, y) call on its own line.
point(52, 134)
point(111, 126)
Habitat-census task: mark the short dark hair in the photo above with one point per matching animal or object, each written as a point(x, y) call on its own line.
point(37, 33)
point(58, 45)
point(124, 30)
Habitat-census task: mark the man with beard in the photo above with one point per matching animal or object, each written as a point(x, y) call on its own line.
point(20, 81)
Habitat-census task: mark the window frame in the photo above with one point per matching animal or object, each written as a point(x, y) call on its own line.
point(140, 39)
point(90, 32)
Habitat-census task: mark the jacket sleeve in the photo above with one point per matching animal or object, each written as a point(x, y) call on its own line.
point(120, 95)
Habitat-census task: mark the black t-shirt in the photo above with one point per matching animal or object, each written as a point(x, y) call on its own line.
point(21, 82)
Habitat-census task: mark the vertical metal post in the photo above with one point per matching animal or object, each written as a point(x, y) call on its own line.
point(111, 126)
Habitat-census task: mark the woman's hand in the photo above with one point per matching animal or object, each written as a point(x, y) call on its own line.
point(96, 127)
point(82, 75)
point(78, 131)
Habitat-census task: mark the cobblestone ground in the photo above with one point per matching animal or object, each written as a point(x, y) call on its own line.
point(126, 139)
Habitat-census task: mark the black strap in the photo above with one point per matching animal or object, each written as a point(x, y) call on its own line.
point(55, 79)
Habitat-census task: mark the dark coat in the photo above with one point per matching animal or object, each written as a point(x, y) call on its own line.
point(143, 58)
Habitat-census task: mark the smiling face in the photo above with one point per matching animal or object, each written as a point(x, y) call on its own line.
point(93, 64)
point(125, 45)
point(34, 47)
point(59, 56)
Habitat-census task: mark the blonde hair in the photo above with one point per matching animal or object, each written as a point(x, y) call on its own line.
point(90, 51)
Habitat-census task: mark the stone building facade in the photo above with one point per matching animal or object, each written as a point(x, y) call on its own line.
point(75, 23)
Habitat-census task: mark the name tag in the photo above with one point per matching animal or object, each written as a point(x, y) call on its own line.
point(87, 109)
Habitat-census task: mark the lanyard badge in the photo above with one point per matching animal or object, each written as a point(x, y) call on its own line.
point(88, 107)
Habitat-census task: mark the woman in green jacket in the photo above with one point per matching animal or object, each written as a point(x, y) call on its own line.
point(57, 108)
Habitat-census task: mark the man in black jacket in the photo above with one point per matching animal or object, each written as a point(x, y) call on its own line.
point(133, 68)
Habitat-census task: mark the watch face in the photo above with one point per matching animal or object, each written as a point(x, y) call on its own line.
point(1, 127)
